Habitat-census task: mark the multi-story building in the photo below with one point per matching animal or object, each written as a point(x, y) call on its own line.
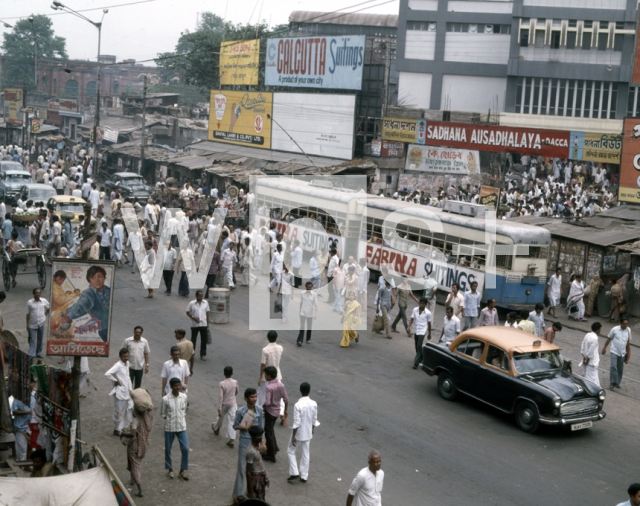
point(541, 57)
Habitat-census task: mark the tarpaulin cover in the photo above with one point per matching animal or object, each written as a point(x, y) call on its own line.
point(86, 488)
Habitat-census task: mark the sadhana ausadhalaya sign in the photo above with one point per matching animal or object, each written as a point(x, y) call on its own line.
point(81, 307)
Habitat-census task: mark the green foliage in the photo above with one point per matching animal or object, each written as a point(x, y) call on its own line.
point(18, 47)
point(197, 53)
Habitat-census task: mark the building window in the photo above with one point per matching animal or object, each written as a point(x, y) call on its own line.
point(555, 40)
point(55, 86)
point(422, 26)
point(571, 40)
point(475, 28)
point(603, 39)
point(570, 97)
point(116, 87)
point(44, 82)
point(586, 40)
point(524, 38)
point(91, 91)
point(71, 89)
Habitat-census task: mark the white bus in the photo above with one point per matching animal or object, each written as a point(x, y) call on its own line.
point(417, 240)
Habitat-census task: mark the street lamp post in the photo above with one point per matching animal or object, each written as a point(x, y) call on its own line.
point(60, 6)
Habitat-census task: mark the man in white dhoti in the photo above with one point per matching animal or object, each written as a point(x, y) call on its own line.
point(590, 354)
point(117, 242)
point(150, 219)
point(554, 291)
point(123, 405)
point(576, 294)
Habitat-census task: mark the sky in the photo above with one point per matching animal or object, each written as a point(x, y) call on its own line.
point(141, 29)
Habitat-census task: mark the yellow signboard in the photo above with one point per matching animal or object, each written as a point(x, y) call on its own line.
point(240, 117)
point(35, 126)
point(239, 62)
point(12, 106)
point(602, 148)
point(403, 130)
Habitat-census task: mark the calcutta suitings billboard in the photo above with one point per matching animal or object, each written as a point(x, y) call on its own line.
point(629, 190)
point(316, 62)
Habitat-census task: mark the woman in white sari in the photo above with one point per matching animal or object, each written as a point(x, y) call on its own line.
point(576, 296)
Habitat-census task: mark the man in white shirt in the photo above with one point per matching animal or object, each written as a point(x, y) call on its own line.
point(123, 404)
point(451, 326)
point(277, 263)
point(59, 183)
point(86, 190)
point(334, 261)
point(363, 282)
point(56, 237)
point(554, 291)
point(634, 495)
point(296, 262)
point(422, 319)
point(174, 411)
point(470, 306)
point(150, 219)
point(94, 198)
point(366, 487)
point(170, 257)
point(305, 420)
point(175, 368)
point(228, 260)
point(197, 311)
point(590, 355)
point(271, 356)
point(620, 339)
point(37, 311)
point(138, 348)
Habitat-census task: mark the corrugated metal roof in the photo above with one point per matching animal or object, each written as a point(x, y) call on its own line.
point(348, 18)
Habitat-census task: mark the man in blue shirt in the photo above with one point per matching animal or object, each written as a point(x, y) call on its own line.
point(21, 416)
point(471, 305)
point(247, 416)
point(7, 228)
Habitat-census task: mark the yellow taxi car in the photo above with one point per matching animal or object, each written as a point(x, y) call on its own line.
point(60, 204)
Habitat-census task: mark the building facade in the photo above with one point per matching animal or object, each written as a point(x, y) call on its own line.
point(569, 58)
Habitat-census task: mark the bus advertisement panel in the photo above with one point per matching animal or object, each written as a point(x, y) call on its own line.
point(417, 266)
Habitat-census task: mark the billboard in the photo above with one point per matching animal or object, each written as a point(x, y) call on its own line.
point(81, 302)
point(320, 124)
point(316, 62)
point(629, 190)
point(595, 147)
point(12, 105)
point(526, 141)
point(442, 160)
point(239, 62)
point(240, 117)
point(110, 134)
point(404, 130)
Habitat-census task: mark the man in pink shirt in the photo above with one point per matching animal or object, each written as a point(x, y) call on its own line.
point(227, 405)
point(275, 392)
point(489, 315)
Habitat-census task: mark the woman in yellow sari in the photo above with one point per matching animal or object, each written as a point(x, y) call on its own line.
point(350, 321)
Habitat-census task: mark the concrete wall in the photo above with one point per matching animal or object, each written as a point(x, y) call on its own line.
point(477, 47)
point(457, 89)
point(498, 6)
point(414, 90)
point(420, 45)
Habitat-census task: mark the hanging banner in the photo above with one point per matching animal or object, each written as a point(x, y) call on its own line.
point(376, 148)
point(629, 190)
point(240, 117)
point(442, 160)
point(404, 130)
point(315, 62)
point(594, 147)
point(239, 62)
point(81, 302)
point(489, 195)
point(526, 141)
point(110, 134)
point(12, 105)
point(35, 126)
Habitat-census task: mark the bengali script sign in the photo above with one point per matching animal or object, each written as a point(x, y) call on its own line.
point(442, 160)
point(629, 190)
point(239, 62)
point(595, 147)
point(404, 130)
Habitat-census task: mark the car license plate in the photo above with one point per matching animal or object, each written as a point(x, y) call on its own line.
point(580, 426)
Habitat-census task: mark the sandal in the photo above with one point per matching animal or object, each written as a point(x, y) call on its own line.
point(230, 445)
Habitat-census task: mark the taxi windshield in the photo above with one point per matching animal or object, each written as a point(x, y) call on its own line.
point(70, 207)
point(536, 361)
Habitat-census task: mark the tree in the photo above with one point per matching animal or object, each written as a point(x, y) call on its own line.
point(197, 53)
point(20, 46)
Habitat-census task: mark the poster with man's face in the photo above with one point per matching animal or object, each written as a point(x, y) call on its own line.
point(81, 300)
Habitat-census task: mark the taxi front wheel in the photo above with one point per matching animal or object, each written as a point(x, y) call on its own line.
point(446, 386)
point(527, 417)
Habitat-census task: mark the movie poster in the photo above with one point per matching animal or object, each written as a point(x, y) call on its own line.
point(81, 302)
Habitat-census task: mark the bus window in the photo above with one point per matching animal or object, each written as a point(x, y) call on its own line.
point(504, 262)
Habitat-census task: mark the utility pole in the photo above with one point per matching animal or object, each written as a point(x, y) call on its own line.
point(144, 121)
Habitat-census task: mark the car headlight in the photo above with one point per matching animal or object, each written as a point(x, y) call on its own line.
point(602, 395)
point(557, 402)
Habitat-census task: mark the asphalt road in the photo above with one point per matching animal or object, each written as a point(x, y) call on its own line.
point(434, 452)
